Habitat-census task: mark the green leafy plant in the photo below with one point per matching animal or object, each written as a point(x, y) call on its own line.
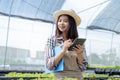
point(38, 76)
point(50, 76)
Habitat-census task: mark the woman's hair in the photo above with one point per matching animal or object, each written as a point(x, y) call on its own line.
point(72, 32)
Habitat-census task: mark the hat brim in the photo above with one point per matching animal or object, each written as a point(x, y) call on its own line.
point(70, 13)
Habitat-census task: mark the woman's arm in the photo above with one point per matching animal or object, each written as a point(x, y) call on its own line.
point(64, 48)
point(49, 53)
point(51, 59)
point(82, 59)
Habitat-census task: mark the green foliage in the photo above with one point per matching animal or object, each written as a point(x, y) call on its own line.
point(93, 75)
point(15, 74)
point(114, 67)
point(38, 76)
point(50, 76)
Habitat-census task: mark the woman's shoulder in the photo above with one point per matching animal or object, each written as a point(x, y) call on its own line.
point(52, 37)
point(51, 41)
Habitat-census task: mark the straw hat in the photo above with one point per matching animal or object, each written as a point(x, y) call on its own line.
point(68, 12)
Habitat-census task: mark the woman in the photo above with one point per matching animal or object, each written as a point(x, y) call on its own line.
point(74, 61)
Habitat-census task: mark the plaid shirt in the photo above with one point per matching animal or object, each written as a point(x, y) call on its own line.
point(49, 51)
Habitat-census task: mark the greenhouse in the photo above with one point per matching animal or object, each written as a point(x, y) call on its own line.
point(25, 26)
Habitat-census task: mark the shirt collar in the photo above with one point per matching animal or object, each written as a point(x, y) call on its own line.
point(60, 38)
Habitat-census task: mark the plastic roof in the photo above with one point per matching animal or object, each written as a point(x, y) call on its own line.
point(30, 9)
point(42, 10)
point(108, 18)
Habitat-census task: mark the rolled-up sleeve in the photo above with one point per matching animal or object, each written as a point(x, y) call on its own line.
point(84, 64)
point(49, 53)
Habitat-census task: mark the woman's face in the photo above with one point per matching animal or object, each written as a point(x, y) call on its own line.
point(63, 23)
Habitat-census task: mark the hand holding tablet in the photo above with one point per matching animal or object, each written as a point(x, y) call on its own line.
point(76, 42)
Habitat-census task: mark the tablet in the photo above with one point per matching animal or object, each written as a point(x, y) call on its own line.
point(77, 41)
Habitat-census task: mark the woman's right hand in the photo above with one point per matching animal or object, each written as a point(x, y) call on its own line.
point(67, 44)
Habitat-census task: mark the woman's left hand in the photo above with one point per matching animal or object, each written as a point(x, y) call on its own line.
point(78, 49)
